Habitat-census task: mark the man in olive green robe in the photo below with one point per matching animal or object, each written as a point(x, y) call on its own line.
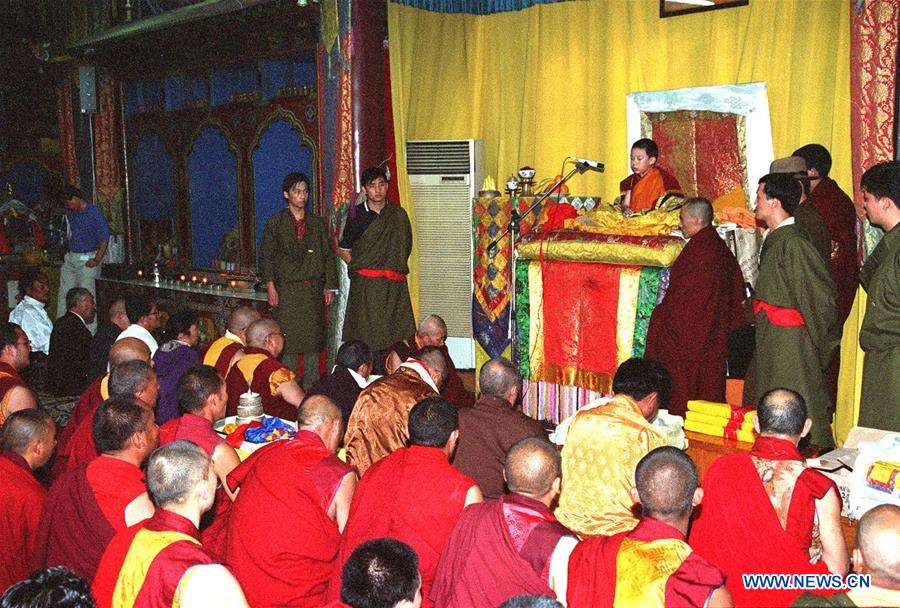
point(376, 244)
point(879, 336)
point(298, 265)
point(794, 304)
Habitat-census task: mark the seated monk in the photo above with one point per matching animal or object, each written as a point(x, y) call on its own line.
point(488, 430)
point(202, 398)
point(383, 572)
point(513, 545)
point(88, 505)
point(286, 522)
point(15, 348)
point(130, 378)
point(875, 555)
point(258, 369)
point(378, 424)
point(28, 440)
point(160, 561)
point(432, 332)
point(222, 353)
point(689, 329)
point(643, 188)
point(596, 497)
point(413, 494)
point(651, 565)
point(349, 377)
point(766, 512)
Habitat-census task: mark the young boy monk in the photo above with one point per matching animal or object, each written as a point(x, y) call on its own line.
point(648, 182)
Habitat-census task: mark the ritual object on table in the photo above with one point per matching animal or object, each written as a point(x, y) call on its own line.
point(488, 188)
point(249, 408)
point(526, 181)
point(271, 429)
point(720, 420)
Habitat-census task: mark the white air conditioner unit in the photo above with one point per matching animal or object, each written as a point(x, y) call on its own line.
point(444, 176)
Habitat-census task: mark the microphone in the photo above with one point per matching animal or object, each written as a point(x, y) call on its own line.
point(593, 164)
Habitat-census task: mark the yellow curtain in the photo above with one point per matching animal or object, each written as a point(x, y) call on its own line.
point(550, 81)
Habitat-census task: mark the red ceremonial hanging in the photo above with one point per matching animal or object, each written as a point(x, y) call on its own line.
point(67, 132)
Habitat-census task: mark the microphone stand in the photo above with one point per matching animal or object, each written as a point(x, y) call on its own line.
point(512, 231)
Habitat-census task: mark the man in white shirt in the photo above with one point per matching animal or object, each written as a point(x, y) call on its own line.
point(144, 316)
point(30, 314)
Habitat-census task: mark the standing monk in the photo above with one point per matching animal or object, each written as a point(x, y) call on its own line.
point(297, 263)
point(879, 336)
point(376, 245)
point(796, 333)
point(836, 210)
point(286, 522)
point(689, 329)
point(28, 440)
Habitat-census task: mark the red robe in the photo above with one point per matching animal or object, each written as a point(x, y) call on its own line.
point(453, 390)
point(593, 572)
point(280, 540)
point(837, 211)
point(156, 565)
point(76, 442)
point(79, 517)
point(21, 500)
point(739, 531)
point(689, 330)
point(498, 549)
point(236, 385)
point(413, 495)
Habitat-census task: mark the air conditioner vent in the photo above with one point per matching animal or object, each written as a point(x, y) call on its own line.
point(438, 157)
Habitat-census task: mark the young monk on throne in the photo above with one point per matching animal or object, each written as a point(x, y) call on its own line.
point(643, 188)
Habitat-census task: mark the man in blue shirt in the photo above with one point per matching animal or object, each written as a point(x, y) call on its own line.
point(88, 239)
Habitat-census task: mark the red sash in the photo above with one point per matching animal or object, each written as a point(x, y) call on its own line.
point(378, 273)
point(778, 315)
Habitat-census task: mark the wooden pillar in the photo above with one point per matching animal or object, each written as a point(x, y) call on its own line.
point(369, 25)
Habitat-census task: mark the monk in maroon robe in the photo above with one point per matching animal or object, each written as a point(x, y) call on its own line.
point(221, 353)
point(28, 439)
point(689, 329)
point(513, 545)
point(432, 332)
point(285, 525)
point(765, 512)
point(88, 505)
point(661, 568)
point(413, 494)
point(260, 370)
point(160, 561)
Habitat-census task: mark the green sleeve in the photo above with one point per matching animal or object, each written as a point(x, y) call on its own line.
point(268, 248)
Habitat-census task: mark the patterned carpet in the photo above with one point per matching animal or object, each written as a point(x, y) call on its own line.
point(59, 408)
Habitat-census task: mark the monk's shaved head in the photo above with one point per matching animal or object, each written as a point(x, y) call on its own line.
point(781, 411)
point(497, 377)
point(241, 318)
point(23, 427)
point(316, 411)
point(117, 420)
point(878, 538)
point(699, 208)
point(531, 466)
point(432, 325)
point(666, 479)
point(173, 471)
point(434, 360)
point(260, 329)
point(128, 349)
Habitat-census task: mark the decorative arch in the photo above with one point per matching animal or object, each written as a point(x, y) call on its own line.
point(213, 167)
point(280, 146)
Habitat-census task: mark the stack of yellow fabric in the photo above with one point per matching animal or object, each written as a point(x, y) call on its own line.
point(720, 420)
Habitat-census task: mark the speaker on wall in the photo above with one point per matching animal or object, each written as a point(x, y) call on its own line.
point(87, 89)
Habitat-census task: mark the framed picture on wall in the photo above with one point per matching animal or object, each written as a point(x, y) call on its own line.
point(673, 8)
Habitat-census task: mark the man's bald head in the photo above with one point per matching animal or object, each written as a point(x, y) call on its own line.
point(532, 465)
point(432, 325)
point(700, 208)
point(498, 377)
point(877, 539)
point(781, 411)
point(434, 360)
point(666, 479)
point(23, 427)
point(316, 411)
point(259, 330)
point(241, 318)
point(128, 349)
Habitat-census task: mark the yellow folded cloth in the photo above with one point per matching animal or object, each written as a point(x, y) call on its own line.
point(746, 425)
point(717, 431)
point(722, 410)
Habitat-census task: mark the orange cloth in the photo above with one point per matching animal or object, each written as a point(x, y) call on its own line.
point(646, 189)
point(220, 353)
point(599, 475)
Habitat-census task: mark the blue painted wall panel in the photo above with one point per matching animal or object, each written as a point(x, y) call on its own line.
point(212, 182)
point(153, 179)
